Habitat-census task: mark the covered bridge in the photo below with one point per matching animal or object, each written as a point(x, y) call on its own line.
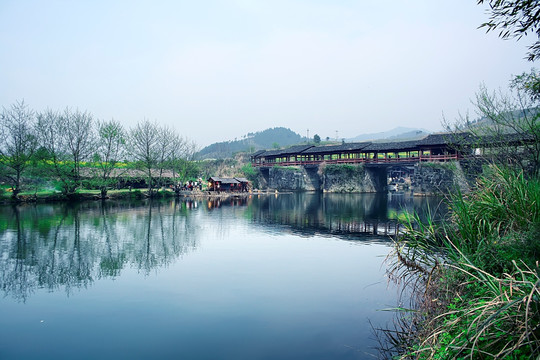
point(435, 147)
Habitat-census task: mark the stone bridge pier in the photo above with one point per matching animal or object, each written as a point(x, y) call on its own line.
point(426, 178)
point(333, 178)
point(353, 178)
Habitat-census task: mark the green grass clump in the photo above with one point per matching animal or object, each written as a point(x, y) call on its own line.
point(488, 317)
point(478, 276)
point(497, 223)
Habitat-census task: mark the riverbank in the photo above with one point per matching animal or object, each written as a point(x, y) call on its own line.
point(123, 194)
point(475, 277)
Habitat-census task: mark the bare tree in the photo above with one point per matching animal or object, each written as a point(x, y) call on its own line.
point(50, 140)
point(508, 128)
point(158, 149)
point(69, 140)
point(143, 146)
point(109, 150)
point(19, 142)
point(169, 146)
point(79, 138)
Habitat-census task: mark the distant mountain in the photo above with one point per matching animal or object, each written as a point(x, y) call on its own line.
point(397, 134)
point(261, 140)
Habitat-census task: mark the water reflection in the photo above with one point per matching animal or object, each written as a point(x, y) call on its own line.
point(68, 246)
point(343, 215)
point(71, 245)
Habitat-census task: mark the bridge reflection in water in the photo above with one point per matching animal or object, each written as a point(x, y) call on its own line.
point(343, 215)
point(388, 228)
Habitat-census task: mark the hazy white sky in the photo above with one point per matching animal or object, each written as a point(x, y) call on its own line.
point(218, 69)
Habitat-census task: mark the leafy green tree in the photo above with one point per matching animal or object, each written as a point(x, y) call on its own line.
point(182, 162)
point(185, 170)
point(528, 84)
point(515, 19)
point(19, 142)
point(316, 139)
point(251, 174)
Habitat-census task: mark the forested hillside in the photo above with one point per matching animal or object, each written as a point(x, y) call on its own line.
point(266, 139)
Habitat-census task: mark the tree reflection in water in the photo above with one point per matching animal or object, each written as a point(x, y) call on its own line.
point(71, 245)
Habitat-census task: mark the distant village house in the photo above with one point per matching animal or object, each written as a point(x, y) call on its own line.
point(228, 184)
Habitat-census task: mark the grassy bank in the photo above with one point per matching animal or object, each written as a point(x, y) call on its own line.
point(475, 277)
point(79, 195)
point(126, 194)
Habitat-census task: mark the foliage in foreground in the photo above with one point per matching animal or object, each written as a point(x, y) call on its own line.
point(476, 277)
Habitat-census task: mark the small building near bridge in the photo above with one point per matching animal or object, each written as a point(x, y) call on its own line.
point(228, 184)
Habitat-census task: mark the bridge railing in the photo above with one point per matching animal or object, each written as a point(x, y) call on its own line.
point(387, 160)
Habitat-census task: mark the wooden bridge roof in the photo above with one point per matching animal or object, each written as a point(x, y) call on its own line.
point(392, 146)
point(506, 139)
point(336, 148)
point(463, 138)
point(288, 151)
point(333, 149)
point(257, 153)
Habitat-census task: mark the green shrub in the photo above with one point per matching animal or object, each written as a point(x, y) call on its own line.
point(251, 174)
point(345, 169)
point(135, 194)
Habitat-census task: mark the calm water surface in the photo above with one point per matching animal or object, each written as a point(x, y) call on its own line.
point(294, 276)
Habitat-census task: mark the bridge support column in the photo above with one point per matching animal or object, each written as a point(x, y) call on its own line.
point(290, 178)
point(264, 177)
point(378, 178)
point(438, 178)
point(353, 178)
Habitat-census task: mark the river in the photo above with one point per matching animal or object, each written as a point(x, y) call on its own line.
point(288, 276)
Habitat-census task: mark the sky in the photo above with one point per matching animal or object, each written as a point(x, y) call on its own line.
point(217, 70)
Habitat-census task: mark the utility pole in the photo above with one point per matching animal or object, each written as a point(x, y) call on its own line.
point(308, 136)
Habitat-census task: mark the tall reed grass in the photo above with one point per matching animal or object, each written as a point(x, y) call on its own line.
point(475, 277)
